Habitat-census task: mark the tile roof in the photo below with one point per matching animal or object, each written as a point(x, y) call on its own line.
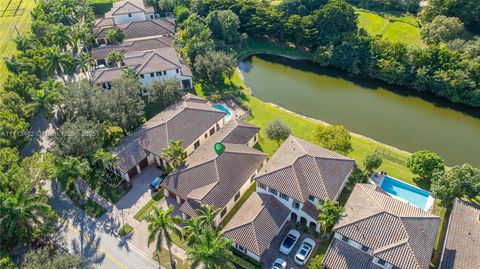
point(185, 120)
point(462, 244)
point(128, 6)
point(397, 232)
point(144, 62)
point(133, 46)
point(300, 169)
point(257, 222)
point(211, 179)
point(139, 29)
point(340, 255)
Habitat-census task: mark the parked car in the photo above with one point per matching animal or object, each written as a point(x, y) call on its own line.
point(279, 264)
point(304, 251)
point(155, 184)
point(289, 241)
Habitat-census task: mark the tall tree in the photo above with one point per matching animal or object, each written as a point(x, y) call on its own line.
point(211, 250)
point(213, 67)
point(115, 36)
point(58, 63)
point(224, 25)
point(115, 58)
point(61, 36)
point(47, 98)
point(175, 153)
point(425, 163)
point(165, 92)
point(442, 29)
point(330, 212)
point(333, 137)
point(335, 19)
point(45, 258)
point(277, 130)
point(206, 215)
point(161, 224)
point(195, 38)
point(70, 169)
point(85, 63)
point(166, 6)
point(102, 158)
point(372, 162)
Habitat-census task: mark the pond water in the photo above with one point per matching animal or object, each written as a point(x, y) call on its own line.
point(396, 116)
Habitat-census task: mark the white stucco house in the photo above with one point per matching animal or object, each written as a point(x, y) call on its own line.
point(130, 11)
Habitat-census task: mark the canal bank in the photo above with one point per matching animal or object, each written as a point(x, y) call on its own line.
point(399, 117)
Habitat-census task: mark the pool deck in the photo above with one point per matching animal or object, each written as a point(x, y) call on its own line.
point(377, 179)
point(235, 109)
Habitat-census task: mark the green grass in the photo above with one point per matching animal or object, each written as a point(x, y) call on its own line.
point(16, 14)
point(236, 207)
point(125, 229)
point(92, 209)
point(397, 28)
point(178, 240)
point(165, 259)
point(255, 45)
point(148, 207)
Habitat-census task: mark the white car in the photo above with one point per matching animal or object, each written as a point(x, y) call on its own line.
point(304, 251)
point(289, 241)
point(279, 264)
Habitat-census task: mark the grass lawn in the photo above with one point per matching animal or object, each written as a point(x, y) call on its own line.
point(165, 259)
point(400, 28)
point(237, 206)
point(148, 207)
point(125, 229)
point(92, 209)
point(254, 45)
point(14, 13)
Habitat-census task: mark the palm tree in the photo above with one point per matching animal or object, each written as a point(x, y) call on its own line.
point(103, 158)
point(161, 223)
point(211, 250)
point(175, 153)
point(61, 36)
point(330, 212)
point(70, 169)
point(192, 230)
point(58, 62)
point(85, 62)
point(206, 215)
point(47, 97)
point(115, 36)
point(21, 212)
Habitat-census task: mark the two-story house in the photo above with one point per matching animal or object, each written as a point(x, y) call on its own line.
point(191, 120)
point(216, 180)
point(378, 231)
point(130, 10)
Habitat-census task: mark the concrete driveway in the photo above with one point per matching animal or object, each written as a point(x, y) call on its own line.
point(273, 252)
point(133, 201)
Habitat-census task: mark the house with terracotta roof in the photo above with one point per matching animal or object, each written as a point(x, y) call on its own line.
point(192, 120)
point(150, 66)
point(302, 175)
point(217, 180)
point(461, 247)
point(130, 10)
point(291, 185)
point(378, 231)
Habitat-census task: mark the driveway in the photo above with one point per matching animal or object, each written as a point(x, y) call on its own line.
point(124, 210)
point(273, 252)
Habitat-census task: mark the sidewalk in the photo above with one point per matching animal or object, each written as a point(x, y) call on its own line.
point(89, 193)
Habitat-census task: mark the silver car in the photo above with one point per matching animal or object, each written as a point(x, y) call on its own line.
point(279, 264)
point(289, 242)
point(304, 251)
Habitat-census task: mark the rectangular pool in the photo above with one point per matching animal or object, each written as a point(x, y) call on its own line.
point(408, 193)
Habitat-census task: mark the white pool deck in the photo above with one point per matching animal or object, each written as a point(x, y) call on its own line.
point(377, 179)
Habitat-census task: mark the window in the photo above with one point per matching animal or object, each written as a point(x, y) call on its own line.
point(296, 204)
point(242, 249)
point(151, 17)
point(129, 15)
point(311, 198)
point(206, 135)
point(283, 196)
point(212, 131)
point(262, 186)
point(251, 180)
point(255, 138)
point(273, 191)
point(223, 212)
point(236, 196)
point(178, 71)
point(217, 126)
point(364, 248)
point(159, 74)
point(152, 75)
point(345, 239)
point(196, 145)
point(142, 76)
point(165, 73)
point(381, 262)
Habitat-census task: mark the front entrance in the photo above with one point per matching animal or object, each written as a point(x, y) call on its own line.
point(132, 172)
point(186, 84)
point(293, 217)
point(143, 163)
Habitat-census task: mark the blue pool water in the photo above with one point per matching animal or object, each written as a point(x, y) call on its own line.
point(224, 109)
point(409, 193)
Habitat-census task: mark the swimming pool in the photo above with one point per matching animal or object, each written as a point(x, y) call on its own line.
point(224, 109)
point(407, 193)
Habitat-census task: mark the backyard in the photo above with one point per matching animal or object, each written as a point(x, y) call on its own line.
point(14, 19)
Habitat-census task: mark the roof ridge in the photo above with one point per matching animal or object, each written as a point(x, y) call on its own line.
point(321, 176)
point(357, 220)
point(155, 21)
point(391, 245)
point(399, 244)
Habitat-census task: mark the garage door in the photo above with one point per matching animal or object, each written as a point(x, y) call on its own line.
point(143, 163)
point(132, 172)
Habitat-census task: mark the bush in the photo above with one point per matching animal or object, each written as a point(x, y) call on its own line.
point(125, 230)
point(244, 261)
point(100, 6)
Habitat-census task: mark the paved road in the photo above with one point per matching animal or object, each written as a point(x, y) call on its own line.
point(93, 240)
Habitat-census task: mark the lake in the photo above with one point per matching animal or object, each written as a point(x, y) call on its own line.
point(396, 116)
